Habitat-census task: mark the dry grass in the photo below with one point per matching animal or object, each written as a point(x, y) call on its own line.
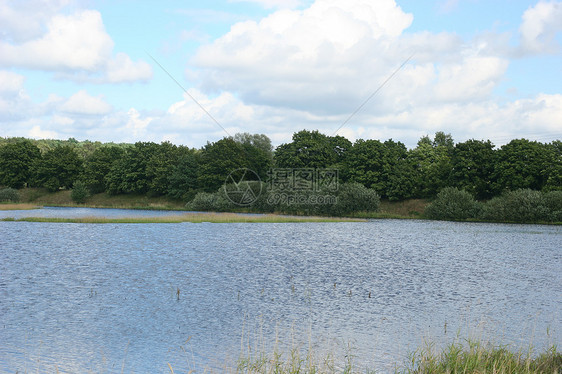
point(191, 218)
point(18, 206)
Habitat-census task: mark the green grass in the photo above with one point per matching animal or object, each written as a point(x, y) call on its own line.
point(476, 357)
point(190, 217)
point(473, 357)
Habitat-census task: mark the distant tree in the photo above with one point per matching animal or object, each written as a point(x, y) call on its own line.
point(472, 165)
point(259, 141)
point(311, 149)
point(381, 166)
point(522, 164)
point(432, 162)
point(98, 165)
point(182, 180)
point(554, 179)
point(218, 160)
point(58, 168)
point(79, 192)
point(16, 161)
point(129, 174)
point(159, 167)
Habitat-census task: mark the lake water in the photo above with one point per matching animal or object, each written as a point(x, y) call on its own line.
point(103, 297)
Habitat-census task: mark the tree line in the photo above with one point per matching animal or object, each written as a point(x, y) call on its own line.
point(387, 167)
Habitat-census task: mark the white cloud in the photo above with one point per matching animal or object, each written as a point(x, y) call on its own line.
point(123, 69)
point(540, 26)
point(75, 45)
point(82, 103)
point(77, 42)
point(10, 83)
point(272, 3)
point(38, 133)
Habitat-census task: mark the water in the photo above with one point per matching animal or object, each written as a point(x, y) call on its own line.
point(58, 212)
point(103, 297)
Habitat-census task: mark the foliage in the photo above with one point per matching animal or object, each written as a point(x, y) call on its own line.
point(453, 204)
point(523, 205)
point(523, 164)
point(16, 162)
point(9, 194)
point(210, 202)
point(553, 202)
point(476, 357)
point(472, 166)
point(354, 198)
point(58, 168)
point(79, 192)
point(432, 163)
point(182, 179)
point(98, 165)
point(129, 174)
point(311, 149)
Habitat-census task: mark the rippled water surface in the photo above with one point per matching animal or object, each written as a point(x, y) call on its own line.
point(103, 297)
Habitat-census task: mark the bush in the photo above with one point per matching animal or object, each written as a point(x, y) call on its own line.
point(79, 192)
point(522, 205)
point(9, 195)
point(210, 202)
point(453, 204)
point(553, 202)
point(353, 198)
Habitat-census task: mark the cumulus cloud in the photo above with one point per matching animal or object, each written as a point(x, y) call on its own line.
point(83, 103)
point(541, 23)
point(75, 45)
point(272, 3)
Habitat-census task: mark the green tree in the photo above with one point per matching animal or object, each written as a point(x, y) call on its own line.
point(259, 141)
point(98, 165)
point(79, 192)
point(383, 167)
point(182, 180)
point(218, 160)
point(129, 174)
point(472, 165)
point(58, 168)
point(522, 164)
point(554, 179)
point(311, 149)
point(432, 162)
point(16, 162)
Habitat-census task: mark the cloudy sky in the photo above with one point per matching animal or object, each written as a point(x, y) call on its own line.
point(83, 68)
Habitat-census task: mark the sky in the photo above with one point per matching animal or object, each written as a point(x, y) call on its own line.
point(190, 72)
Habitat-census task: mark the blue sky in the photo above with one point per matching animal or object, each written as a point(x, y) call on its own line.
point(480, 69)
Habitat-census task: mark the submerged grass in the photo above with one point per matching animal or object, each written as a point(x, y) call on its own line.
point(190, 218)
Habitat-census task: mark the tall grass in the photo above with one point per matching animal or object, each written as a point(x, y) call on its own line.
point(478, 357)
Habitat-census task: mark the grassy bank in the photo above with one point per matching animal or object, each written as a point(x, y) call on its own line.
point(40, 197)
point(191, 218)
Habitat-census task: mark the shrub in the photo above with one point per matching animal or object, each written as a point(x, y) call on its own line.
point(522, 205)
point(9, 195)
point(210, 202)
point(353, 198)
point(79, 192)
point(453, 204)
point(553, 202)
